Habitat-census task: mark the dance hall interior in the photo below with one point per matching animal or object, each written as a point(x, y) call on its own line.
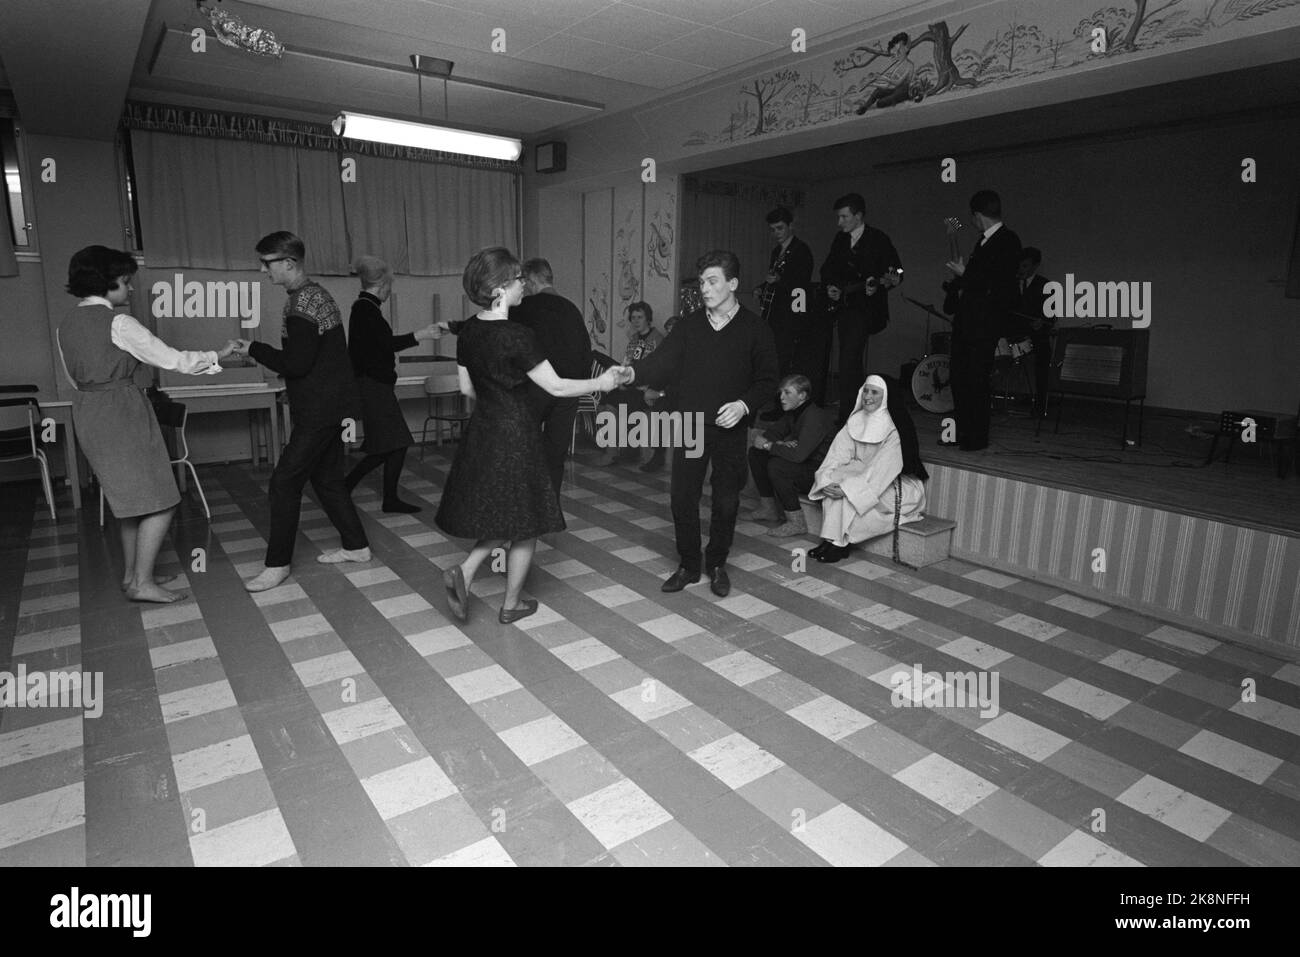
point(650, 432)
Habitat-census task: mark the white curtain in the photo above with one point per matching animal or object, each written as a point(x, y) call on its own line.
point(713, 221)
point(205, 201)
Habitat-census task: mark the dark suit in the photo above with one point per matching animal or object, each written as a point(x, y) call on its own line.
point(788, 327)
point(981, 301)
point(563, 338)
point(1031, 302)
point(858, 313)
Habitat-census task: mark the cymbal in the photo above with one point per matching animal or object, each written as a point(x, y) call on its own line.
point(928, 307)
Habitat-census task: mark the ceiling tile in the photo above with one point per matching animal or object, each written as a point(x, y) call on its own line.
point(773, 21)
point(631, 27)
point(704, 12)
point(653, 71)
point(574, 53)
point(715, 48)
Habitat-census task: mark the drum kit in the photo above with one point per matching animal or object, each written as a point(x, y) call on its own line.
point(931, 374)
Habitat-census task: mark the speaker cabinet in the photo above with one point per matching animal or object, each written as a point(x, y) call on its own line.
point(550, 157)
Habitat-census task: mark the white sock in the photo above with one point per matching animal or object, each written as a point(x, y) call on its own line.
point(344, 555)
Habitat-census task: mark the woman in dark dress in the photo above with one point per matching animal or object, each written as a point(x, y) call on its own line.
point(498, 491)
point(372, 346)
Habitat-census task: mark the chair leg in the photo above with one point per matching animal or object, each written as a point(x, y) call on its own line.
point(198, 487)
point(46, 484)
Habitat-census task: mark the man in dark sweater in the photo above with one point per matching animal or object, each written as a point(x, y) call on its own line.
point(723, 360)
point(562, 336)
point(317, 371)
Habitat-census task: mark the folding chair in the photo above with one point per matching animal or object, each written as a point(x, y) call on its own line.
point(18, 438)
point(443, 385)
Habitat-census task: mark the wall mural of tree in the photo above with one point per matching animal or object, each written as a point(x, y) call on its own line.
point(1000, 44)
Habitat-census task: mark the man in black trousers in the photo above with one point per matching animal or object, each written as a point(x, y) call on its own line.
point(858, 273)
point(981, 298)
point(563, 338)
point(723, 360)
point(317, 371)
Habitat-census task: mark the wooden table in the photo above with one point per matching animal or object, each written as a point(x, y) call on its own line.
point(198, 399)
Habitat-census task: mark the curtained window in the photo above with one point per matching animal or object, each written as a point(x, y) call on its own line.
point(207, 197)
point(204, 203)
point(723, 215)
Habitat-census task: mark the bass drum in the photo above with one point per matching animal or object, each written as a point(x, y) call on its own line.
point(932, 384)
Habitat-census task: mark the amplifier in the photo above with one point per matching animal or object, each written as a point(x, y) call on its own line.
point(1110, 363)
point(1265, 424)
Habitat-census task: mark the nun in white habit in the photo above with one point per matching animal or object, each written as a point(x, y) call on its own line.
point(873, 463)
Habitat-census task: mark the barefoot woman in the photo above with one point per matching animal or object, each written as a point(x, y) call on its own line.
point(115, 424)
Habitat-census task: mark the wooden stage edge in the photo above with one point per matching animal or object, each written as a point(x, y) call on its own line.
point(1168, 471)
point(1210, 548)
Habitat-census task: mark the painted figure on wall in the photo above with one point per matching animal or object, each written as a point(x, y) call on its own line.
point(894, 83)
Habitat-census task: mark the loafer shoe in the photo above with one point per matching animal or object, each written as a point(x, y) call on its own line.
point(679, 580)
point(719, 583)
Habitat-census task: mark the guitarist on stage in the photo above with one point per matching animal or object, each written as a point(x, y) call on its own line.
point(857, 275)
point(982, 295)
point(789, 268)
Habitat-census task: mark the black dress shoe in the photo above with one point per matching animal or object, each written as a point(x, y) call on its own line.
point(679, 580)
point(400, 507)
point(719, 583)
point(525, 608)
point(820, 550)
point(833, 553)
point(453, 579)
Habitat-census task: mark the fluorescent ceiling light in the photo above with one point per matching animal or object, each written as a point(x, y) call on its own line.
point(359, 126)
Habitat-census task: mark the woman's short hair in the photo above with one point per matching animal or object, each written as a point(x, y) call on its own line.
point(643, 307)
point(801, 383)
point(488, 269)
point(93, 271)
point(371, 270)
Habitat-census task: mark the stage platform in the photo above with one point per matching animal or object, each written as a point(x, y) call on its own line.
point(1216, 546)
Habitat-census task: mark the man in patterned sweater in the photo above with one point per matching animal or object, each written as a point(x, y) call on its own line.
point(317, 371)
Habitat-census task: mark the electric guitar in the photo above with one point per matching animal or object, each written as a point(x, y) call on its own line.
point(768, 295)
point(891, 276)
point(952, 226)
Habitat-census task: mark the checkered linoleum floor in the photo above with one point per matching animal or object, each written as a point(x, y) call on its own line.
point(346, 719)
